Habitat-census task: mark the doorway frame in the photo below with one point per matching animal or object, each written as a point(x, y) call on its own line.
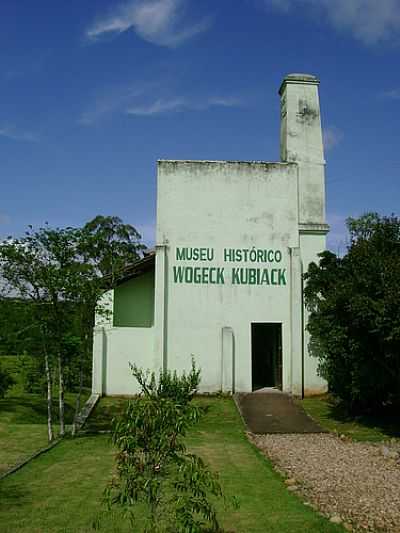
point(280, 331)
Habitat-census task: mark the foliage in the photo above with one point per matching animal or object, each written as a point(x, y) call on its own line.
point(55, 277)
point(15, 325)
point(110, 244)
point(23, 422)
point(354, 322)
point(156, 476)
point(6, 381)
point(181, 388)
point(31, 374)
point(333, 416)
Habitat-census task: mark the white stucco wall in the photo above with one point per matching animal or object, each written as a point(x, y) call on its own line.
point(104, 310)
point(114, 349)
point(225, 205)
point(311, 245)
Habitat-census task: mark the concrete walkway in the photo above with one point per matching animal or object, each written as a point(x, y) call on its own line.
point(272, 411)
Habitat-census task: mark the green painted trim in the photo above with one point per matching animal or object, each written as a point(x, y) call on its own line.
point(134, 302)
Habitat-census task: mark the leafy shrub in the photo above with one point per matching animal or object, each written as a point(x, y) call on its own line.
point(158, 484)
point(6, 381)
point(181, 388)
point(354, 304)
point(31, 374)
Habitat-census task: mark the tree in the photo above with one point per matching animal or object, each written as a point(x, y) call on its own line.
point(354, 322)
point(110, 244)
point(170, 487)
point(6, 381)
point(61, 272)
point(40, 267)
point(106, 246)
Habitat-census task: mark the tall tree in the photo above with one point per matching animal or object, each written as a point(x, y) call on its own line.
point(354, 323)
point(110, 244)
point(106, 246)
point(64, 272)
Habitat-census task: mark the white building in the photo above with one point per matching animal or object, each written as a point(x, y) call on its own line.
point(225, 283)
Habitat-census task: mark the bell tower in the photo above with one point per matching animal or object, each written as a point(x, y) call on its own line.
point(301, 143)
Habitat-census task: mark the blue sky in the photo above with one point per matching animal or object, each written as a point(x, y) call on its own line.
point(93, 93)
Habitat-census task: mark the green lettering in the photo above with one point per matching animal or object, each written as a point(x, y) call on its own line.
point(213, 280)
point(235, 276)
point(180, 254)
point(197, 275)
point(229, 254)
point(205, 273)
point(189, 275)
point(178, 274)
point(220, 276)
point(252, 276)
point(264, 277)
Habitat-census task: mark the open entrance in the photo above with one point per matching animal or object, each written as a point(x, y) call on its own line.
point(266, 355)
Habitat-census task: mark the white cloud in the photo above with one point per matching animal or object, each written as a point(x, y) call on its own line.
point(157, 107)
point(370, 21)
point(112, 99)
point(281, 5)
point(228, 101)
point(12, 133)
point(161, 22)
point(393, 94)
point(332, 137)
point(160, 106)
point(148, 99)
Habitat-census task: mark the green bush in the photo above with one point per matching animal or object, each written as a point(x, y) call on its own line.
point(6, 381)
point(161, 486)
point(180, 389)
point(354, 304)
point(31, 374)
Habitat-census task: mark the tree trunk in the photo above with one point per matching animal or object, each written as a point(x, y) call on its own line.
point(61, 395)
point(79, 395)
point(49, 399)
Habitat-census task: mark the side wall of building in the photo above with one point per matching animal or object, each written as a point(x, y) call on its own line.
point(311, 244)
point(114, 348)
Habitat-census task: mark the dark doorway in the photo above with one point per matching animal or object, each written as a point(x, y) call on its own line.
point(266, 355)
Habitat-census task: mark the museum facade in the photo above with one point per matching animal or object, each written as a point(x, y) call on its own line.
point(225, 283)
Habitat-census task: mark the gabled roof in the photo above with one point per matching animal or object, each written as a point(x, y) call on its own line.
point(137, 268)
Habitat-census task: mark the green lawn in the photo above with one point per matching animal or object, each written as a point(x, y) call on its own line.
point(61, 490)
point(23, 420)
point(333, 417)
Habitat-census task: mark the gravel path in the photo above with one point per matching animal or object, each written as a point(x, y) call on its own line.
point(358, 483)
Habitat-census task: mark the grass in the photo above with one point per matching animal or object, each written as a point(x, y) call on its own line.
point(332, 416)
point(61, 491)
point(23, 420)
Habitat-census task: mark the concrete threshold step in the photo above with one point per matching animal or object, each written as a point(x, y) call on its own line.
point(273, 412)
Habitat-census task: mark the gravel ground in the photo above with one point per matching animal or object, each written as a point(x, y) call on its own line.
point(354, 482)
